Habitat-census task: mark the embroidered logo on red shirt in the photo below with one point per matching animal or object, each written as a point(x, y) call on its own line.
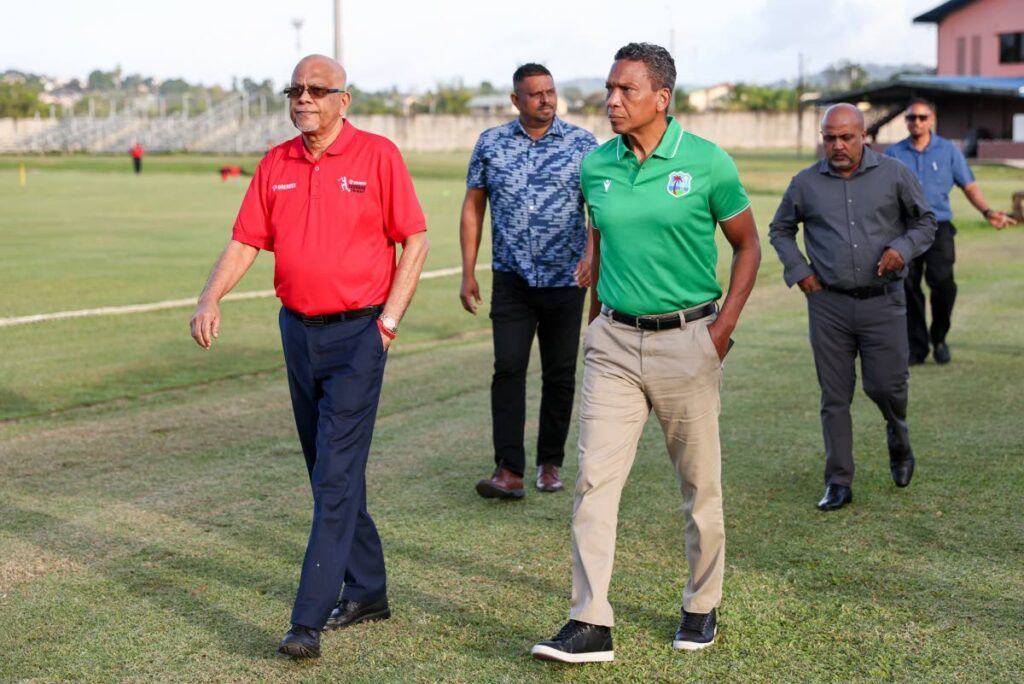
point(346, 184)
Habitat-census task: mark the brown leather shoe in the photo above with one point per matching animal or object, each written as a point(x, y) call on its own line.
point(547, 479)
point(503, 485)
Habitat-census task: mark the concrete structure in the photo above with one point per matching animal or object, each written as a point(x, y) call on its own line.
point(231, 127)
point(979, 37)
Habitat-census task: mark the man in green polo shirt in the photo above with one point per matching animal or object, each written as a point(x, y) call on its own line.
point(656, 340)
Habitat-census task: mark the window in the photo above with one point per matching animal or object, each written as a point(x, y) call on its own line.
point(961, 56)
point(1011, 48)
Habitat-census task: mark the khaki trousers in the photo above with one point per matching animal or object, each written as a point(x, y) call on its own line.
point(628, 372)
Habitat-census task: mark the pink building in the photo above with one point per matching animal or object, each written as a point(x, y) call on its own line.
point(979, 37)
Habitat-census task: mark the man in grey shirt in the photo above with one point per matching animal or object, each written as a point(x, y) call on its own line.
point(865, 218)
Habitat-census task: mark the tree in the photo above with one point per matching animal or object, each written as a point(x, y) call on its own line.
point(174, 86)
point(753, 98)
point(844, 76)
point(681, 102)
point(19, 100)
point(102, 81)
point(451, 99)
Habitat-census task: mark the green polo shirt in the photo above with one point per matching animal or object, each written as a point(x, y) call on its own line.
point(657, 220)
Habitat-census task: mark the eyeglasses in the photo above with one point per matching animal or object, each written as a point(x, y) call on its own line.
point(909, 117)
point(315, 92)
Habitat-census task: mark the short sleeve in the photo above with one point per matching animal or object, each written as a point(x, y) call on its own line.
point(252, 225)
point(962, 174)
point(400, 208)
point(727, 197)
point(476, 177)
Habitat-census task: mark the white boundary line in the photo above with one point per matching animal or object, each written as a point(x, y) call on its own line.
point(176, 303)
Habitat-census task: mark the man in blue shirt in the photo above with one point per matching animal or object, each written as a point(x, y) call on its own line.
point(529, 169)
point(938, 165)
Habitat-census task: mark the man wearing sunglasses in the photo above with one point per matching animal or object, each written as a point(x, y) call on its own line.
point(331, 204)
point(938, 165)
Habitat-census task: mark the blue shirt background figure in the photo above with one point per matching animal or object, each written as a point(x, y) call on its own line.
point(529, 170)
point(938, 165)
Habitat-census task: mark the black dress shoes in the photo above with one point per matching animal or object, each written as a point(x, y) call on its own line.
point(902, 468)
point(348, 613)
point(836, 496)
point(301, 642)
point(942, 354)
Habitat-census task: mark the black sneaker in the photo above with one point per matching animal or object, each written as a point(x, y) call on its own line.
point(696, 631)
point(577, 642)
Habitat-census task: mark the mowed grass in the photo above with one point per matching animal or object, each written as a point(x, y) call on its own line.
point(154, 505)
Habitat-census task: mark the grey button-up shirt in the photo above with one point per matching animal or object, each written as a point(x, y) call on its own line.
point(850, 222)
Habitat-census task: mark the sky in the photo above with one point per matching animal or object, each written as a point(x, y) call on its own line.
point(416, 45)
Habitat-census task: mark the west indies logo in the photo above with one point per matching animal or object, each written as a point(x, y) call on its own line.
point(678, 183)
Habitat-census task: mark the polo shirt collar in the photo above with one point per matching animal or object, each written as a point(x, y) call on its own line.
point(868, 160)
point(555, 129)
point(298, 150)
point(666, 149)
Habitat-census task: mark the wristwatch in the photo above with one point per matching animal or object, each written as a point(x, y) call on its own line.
point(988, 212)
point(389, 324)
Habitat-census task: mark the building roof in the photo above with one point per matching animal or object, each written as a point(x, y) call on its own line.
point(937, 14)
point(904, 87)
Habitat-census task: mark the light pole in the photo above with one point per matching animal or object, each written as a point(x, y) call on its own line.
point(337, 31)
point(297, 23)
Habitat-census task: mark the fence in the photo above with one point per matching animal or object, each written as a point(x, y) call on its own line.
point(240, 124)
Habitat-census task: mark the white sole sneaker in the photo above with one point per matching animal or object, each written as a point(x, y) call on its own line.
point(547, 653)
point(692, 645)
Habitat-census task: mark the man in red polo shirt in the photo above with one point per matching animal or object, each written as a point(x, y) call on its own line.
point(331, 204)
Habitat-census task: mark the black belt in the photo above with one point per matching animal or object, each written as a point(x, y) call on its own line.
point(324, 319)
point(664, 322)
point(867, 292)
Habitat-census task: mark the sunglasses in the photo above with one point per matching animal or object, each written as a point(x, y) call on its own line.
point(916, 117)
point(315, 92)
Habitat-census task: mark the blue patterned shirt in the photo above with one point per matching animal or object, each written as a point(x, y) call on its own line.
point(538, 222)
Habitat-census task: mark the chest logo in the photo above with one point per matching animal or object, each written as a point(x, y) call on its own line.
point(679, 183)
point(607, 184)
point(346, 184)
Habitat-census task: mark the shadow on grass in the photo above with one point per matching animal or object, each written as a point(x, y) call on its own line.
point(153, 573)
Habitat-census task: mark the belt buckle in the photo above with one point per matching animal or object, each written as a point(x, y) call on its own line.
point(317, 320)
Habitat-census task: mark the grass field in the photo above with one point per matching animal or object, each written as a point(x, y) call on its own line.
point(154, 504)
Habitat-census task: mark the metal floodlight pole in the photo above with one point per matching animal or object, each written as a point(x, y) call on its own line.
point(297, 23)
point(337, 30)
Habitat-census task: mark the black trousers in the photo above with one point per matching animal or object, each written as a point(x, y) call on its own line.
point(936, 265)
point(842, 328)
point(137, 164)
point(553, 314)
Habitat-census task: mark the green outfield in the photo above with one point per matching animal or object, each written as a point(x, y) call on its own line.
point(154, 504)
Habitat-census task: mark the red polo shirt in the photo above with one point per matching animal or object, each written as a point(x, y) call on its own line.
point(332, 223)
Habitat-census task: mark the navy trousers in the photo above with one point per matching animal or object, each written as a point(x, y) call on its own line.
point(334, 374)
point(841, 328)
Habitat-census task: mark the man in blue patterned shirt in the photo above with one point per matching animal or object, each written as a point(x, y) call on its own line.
point(529, 169)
